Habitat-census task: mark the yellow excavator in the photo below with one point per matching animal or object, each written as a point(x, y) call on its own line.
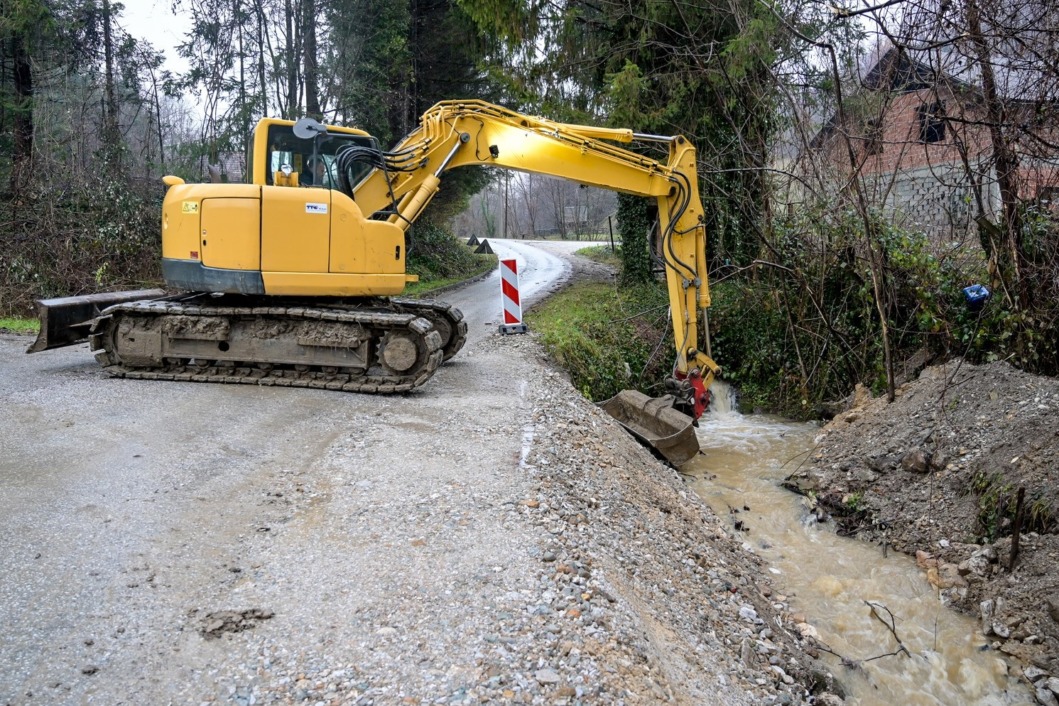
point(291, 279)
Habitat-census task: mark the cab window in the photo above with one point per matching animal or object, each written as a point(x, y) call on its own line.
point(284, 148)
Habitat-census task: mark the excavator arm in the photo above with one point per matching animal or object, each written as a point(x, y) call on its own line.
point(459, 133)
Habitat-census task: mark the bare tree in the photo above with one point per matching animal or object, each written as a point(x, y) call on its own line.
point(312, 97)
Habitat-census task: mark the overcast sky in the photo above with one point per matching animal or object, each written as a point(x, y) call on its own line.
point(154, 21)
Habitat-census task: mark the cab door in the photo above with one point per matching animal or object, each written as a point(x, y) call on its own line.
point(295, 229)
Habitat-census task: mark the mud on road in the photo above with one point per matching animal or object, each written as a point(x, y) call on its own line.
point(492, 537)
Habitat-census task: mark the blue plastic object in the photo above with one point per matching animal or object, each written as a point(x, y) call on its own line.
point(976, 296)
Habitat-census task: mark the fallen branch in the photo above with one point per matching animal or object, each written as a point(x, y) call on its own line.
point(891, 626)
point(846, 661)
point(1017, 531)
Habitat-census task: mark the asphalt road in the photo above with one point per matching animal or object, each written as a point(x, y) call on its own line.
point(132, 511)
point(541, 269)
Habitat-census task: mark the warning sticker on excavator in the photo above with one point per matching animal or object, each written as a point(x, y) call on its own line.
point(190, 207)
point(316, 208)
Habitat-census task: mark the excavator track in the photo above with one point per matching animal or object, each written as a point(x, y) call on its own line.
point(447, 320)
point(365, 349)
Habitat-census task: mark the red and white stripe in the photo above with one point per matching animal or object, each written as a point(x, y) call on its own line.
point(509, 297)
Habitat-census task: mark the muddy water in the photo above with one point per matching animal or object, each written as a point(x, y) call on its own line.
point(828, 578)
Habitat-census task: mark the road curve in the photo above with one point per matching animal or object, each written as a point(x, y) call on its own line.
point(543, 267)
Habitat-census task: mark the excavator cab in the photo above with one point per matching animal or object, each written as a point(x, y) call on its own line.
point(289, 151)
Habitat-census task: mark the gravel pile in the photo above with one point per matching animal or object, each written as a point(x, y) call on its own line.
point(595, 576)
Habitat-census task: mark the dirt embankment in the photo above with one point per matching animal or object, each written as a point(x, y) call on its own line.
point(938, 474)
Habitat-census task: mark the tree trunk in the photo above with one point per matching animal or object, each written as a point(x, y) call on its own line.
point(1004, 158)
point(312, 95)
point(876, 249)
point(111, 133)
point(291, 109)
point(158, 119)
point(261, 76)
point(22, 113)
point(244, 111)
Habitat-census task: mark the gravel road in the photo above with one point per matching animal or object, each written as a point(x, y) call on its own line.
point(491, 537)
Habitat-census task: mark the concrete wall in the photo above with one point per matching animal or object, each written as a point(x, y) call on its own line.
point(938, 200)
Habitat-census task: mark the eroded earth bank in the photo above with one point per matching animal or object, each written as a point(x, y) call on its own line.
point(937, 474)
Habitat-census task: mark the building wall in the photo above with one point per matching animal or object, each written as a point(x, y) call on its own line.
point(937, 200)
point(928, 185)
point(900, 143)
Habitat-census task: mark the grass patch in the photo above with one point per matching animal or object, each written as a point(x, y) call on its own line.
point(19, 325)
point(602, 253)
point(997, 498)
point(608, 339)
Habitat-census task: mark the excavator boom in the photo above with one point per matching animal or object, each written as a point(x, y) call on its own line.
point(460, 133)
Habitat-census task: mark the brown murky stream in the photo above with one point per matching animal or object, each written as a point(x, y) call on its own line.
point(828, 578)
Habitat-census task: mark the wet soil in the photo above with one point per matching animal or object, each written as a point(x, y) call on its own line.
point(937, 474)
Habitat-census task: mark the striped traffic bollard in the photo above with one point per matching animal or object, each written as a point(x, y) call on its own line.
point(509, 298)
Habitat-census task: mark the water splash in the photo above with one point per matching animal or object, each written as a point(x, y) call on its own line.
point(724, 398)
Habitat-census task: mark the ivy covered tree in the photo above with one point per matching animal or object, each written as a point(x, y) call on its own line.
point(21, 30)
point(391, 61)
point(370, 64)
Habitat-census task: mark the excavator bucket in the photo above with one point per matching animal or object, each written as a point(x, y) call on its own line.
point(655, 422)
point(65, 321)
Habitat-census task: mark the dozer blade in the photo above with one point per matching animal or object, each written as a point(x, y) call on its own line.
point(65, 321)
point(655, 422)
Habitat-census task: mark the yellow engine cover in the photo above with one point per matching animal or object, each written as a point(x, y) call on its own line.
point(302, 241)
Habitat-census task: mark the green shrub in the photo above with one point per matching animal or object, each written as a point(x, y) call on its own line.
point(79, 238)
point(805, 329)
point(608, 339)
point(437, 256)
